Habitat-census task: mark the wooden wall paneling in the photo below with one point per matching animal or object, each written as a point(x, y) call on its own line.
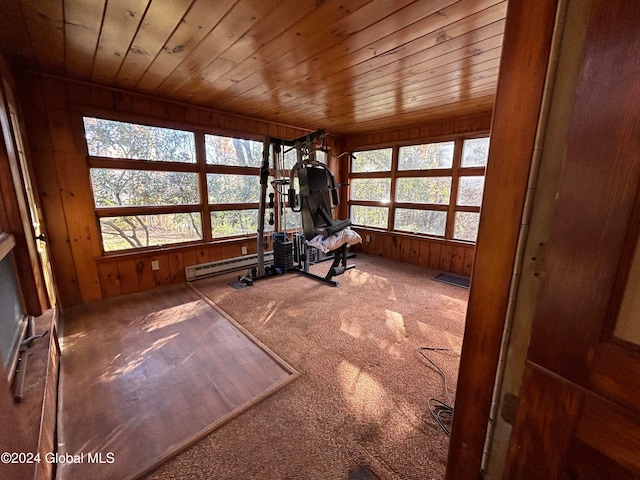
point(146, 276)
point(435, 252)
point(414, 251)
point(457, 259)
point(391, 247)
point(203, 255)
point(427, 132)
point(469, 254)
point(425, 250)
point(176, 267)
point(544, 428)
point(446, 254)
point(162, 276)
point(527, 42)
point(216, 253)
point(128, 272)
point(190, 257)
point(73, 180)
point(46, 176)
point(109, 279)
point(404, 247)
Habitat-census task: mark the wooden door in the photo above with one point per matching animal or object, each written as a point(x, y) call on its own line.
point(579, 408)
point(23, 185)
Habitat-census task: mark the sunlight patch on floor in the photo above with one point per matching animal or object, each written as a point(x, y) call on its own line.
point(395, 323)
point(171, 316)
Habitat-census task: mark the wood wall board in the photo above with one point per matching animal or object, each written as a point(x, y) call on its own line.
point(162, 276)
point(430, 253)
point(109, 280)
point(128, 274)
point(176, 267)
point(18, 222)
point(44, 168)
point(544, 429)
point(82, 22)
point(73, 184)
point(435, 251)
point(428, 132)
point(527, 41)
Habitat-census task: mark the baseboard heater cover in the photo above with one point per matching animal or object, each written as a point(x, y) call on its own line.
point(196, 272)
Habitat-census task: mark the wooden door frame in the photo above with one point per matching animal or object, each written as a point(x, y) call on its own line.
point(523, 70)
point(16, 214)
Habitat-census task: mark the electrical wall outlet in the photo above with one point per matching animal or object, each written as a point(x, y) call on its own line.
point(244, 250)
point(368, 238)
point(155, 265)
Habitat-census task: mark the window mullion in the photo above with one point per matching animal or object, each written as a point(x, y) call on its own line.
point(455, 177)
point(201, 160)
point(392, 194)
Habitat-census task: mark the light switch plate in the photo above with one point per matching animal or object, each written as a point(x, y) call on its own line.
point(155, 265)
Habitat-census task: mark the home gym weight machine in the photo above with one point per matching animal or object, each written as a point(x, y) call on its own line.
point(315, 200)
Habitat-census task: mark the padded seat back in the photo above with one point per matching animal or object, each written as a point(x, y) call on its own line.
point(315, 198)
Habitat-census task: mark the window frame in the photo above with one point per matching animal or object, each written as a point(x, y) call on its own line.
point(456, 172)
point(200, 167)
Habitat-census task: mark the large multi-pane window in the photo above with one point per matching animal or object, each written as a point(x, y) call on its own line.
point(151, 187)
point(433, 189)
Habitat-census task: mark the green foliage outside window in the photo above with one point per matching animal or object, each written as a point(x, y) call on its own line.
point(425, 157)
point(233, 151)
point(116, 187)
point(372, 161)
point(113, 139)
point(134, 231)
point(432, 190)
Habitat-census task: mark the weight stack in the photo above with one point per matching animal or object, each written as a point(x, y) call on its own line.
point(283, 255)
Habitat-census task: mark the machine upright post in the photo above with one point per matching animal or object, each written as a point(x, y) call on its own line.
point(264, 179)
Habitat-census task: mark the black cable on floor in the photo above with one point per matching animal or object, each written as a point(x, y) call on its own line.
point(442, 412)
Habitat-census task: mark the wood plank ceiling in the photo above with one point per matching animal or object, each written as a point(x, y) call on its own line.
point(349, 66)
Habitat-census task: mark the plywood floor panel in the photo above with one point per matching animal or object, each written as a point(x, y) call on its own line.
point(145, 375)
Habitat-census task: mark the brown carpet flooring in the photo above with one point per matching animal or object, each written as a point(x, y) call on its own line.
point(360, 404)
